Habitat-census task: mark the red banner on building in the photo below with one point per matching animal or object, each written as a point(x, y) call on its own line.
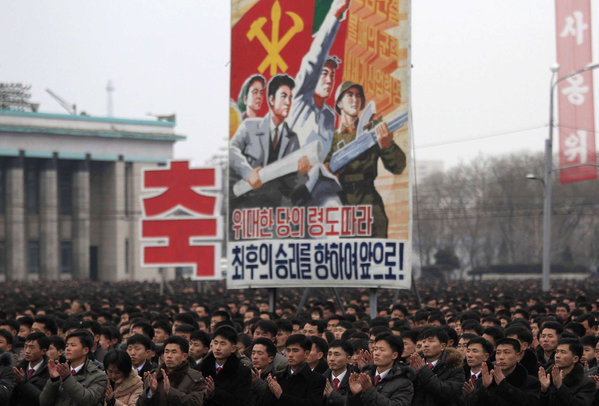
point(575, 94)
point(181, 223)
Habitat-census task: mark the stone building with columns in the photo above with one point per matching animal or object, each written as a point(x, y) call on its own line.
point(70, 189)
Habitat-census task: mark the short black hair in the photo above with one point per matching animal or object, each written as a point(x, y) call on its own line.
point(140, 339)
point(320, 325)
point(495, 332)
point(84, 336)
point(228, 333)
point(202, 336)
point(267, 326)
point(401, 308)
point(147, 329)
point(573, 344)
point(48, 322)
point(473, 325)
point(344, 345)
point(178, 340)
point(521, 332)
point(576, 328)
point(395, 342)
point(120, 359)
point(57, 342)
point(487, 346)
point(25, 321)
point(299, 339)
point(282, 79)
point(284, 325)
point(320, 343)
point(509, 341)
point(7, 335)
point(271, 349)
point(437, 332)
point(376, 330)
point(42, 340)
point(163, 325)
point(551, 325)
point(185, 328)
point(590, 341)
point(221, 313)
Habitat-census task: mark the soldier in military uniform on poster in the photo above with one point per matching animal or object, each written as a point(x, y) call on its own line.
point(357, 177)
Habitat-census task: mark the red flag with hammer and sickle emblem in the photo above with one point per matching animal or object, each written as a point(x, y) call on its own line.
point(273, 36)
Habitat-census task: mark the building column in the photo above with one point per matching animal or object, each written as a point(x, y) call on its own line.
point(16, 251)
point(112, 255)
point(49, 238)
point(81, 221)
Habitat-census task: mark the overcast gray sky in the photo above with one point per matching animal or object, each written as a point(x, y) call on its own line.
point(481, 68)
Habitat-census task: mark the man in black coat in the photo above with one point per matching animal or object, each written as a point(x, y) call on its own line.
point(508, 384)
point(566, 385)
point(440, 375)
point(227, 380)
point(337, 376)
point(32, 373)
point(297, 386)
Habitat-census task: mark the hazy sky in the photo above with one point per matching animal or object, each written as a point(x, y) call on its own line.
point(480, 79)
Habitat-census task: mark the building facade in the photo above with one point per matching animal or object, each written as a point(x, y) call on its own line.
point(70, 204)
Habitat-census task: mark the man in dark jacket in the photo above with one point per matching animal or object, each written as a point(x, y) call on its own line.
point(387, 382)
point(7, 377)
point(508, 384)
point(524, 336)
point(263, 352)
point(318, 353)
point(227, 380)
point(175, 383)
point(297, 386)
point(337, 376)
point(439, 376)
point(566, 385)
point(549, 334)
point(32, 373)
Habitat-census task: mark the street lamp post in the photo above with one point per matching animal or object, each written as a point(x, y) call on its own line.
point(547, 178)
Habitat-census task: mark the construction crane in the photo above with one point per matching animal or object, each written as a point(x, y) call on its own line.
point(70, 108)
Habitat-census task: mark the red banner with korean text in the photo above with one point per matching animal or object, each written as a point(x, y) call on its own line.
point(575, 95)
point(319, 183)
point(181, 224)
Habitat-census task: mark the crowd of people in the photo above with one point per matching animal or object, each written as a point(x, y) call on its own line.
point(448, 343)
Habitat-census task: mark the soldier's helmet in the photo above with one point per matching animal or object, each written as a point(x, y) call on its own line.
point(345, 86)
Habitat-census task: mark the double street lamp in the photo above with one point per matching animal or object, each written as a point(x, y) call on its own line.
point(547, 176)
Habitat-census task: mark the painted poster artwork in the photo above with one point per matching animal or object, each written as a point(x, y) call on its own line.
point(318, 180)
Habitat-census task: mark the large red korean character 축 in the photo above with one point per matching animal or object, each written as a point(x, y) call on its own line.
point(179, 249)
point(181, 225)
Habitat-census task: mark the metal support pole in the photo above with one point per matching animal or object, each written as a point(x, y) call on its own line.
point(302, 301)
point(546, 285)
point(272, 299)
point(373, 303)
point(339, 301)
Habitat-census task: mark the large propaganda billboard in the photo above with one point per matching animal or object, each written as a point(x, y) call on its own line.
point(318, 180)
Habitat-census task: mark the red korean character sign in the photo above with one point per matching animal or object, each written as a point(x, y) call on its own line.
point(577, 152)
point(181, 223)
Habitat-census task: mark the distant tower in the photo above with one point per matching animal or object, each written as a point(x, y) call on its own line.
point(109, 90)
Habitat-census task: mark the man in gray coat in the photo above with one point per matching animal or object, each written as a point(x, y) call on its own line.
point(78, 382)
point(261, 141)
point(385, 383)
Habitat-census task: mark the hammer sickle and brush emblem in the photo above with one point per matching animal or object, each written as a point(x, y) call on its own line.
point(274, 45)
